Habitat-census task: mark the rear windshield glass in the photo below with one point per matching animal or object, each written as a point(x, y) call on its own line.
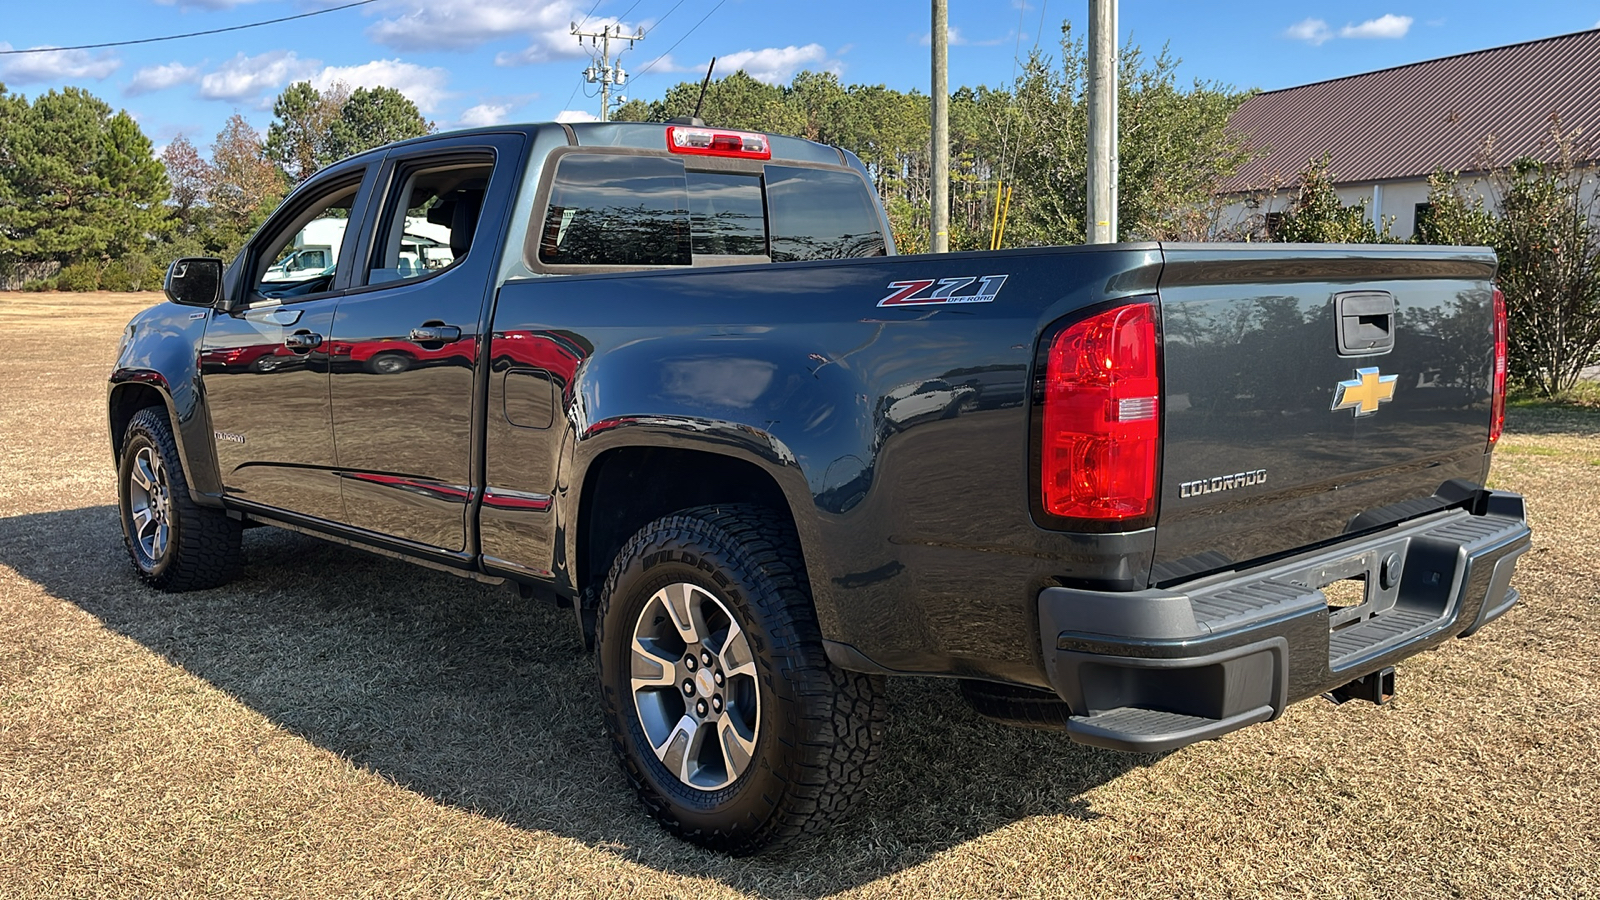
point(818, 214)
point(728, 218)
point(610, 209)
point(614, 210)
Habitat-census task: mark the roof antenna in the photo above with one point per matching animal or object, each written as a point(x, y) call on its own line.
point(703, 83)
point(694, 121)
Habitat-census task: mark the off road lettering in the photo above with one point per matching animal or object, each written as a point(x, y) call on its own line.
point(915, 292)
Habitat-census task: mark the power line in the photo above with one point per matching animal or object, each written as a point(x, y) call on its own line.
point(629, 10)
point(174, 37)
point(585, 20)
point(680, 40)
point(664, 18)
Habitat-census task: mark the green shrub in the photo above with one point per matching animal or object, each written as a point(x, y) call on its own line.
point(134, 272)
point(1543, 227)
point(1318, 216)
point(39, 285)
point(82, 276)
point(116, 277)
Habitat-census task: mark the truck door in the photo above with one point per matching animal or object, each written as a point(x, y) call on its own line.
point(404, 345)
point(265, 362)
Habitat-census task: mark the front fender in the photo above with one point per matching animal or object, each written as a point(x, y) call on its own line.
point(160, 353)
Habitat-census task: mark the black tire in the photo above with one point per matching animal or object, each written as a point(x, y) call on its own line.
point(1010, 704)
point(819, 726)
point(199, 547)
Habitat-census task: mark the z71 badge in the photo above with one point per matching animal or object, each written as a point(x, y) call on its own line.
point(930, 291)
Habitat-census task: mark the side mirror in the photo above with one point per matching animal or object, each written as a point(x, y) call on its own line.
point(194, 281)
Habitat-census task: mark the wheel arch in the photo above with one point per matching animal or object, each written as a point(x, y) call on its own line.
point(622, 492)
point(135, 390)
point(619, 496)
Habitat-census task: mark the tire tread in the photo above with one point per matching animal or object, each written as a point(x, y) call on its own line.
point(841, 713)
point(208, 544)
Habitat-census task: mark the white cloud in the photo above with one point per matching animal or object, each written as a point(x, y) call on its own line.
point(556, 41)
point(56, 66)
point(1385, 26)
point(666, 63)
point(485, 114)
point(159, 78)
point(427, 25)
point(952, 36)
point(252, 76)
point(1312, 31)
point(576, 115)
point(422, 85)
point(774, 65)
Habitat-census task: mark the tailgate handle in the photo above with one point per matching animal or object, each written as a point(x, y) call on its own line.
point(1365, 321)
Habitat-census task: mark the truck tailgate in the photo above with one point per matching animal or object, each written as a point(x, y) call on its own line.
point(1313, 391)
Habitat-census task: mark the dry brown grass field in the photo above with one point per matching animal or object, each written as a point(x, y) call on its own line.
point(336, 724)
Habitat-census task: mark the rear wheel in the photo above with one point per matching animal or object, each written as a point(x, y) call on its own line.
point(175, 544)
point(729, 721)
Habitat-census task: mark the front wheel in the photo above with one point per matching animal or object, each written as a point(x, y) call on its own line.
point(175, 544)
point(730, 723)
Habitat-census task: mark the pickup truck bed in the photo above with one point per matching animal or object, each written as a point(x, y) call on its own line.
point(675, 378)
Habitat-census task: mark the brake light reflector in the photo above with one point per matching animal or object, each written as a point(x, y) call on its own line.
point(1101, 436)
point(718, 142)
point(1497, 403)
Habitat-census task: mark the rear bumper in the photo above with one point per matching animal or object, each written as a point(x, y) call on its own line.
point(1157, 669)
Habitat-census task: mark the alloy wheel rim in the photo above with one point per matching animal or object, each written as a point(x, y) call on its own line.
point(150, 504)
point(693, 678)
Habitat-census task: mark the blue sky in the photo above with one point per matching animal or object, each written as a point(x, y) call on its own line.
point(488, 61)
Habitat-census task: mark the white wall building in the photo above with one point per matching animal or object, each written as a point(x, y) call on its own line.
point(1386, 131)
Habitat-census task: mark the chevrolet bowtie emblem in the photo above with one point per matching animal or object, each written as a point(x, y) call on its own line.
point(1364, 392)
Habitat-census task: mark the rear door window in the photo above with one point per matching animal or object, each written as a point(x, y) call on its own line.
point(821, 214)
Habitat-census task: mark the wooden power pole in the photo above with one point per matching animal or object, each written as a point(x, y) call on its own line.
point(1101, 227)
point(941, 129)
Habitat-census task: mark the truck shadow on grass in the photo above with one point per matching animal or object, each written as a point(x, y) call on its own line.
point(474, 698)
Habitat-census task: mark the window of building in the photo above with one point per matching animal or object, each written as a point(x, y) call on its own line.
point(1422, 218)
point(1272, 222)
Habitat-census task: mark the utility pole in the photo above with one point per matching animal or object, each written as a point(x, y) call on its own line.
point(1102, 219)
point(606, 74)
point(941, 128)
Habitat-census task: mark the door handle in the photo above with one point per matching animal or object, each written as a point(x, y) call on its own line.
point(1366, 322)
point(435, 333)
point(303, 340)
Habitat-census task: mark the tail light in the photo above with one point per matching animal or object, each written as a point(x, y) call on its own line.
point(1497, 404)
point(718, 142)
point(1100, 437)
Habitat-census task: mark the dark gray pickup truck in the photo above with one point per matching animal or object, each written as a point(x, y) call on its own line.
point(675, 378)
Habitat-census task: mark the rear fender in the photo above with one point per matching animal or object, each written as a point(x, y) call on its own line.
point(754, 402)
